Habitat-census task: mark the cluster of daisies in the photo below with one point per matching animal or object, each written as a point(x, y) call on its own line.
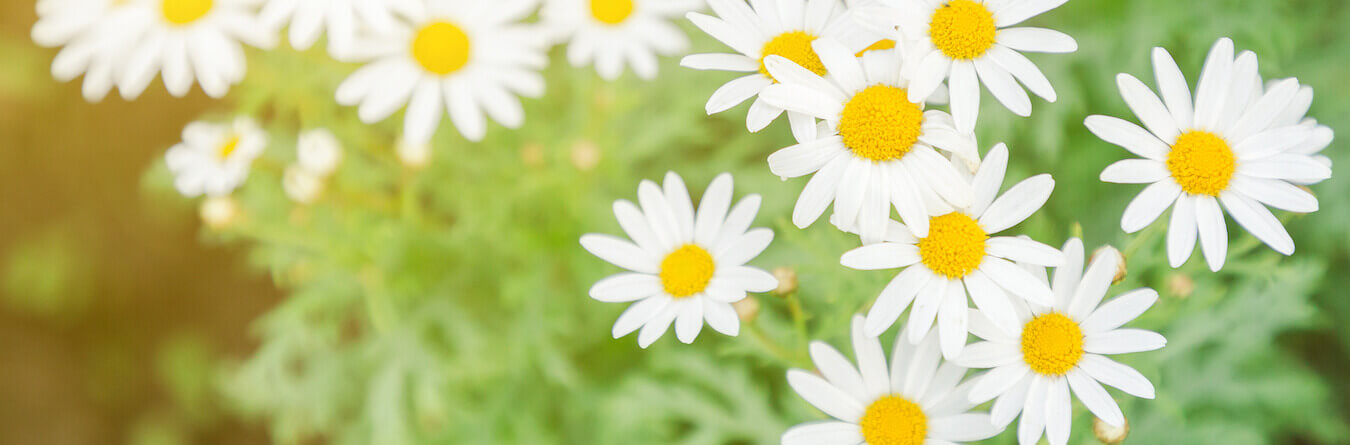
point(882, 98)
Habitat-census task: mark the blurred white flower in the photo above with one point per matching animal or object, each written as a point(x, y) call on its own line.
point(1061, 348)
point(469, 57)
point(612, 33)
point(214, 159)
point(340, 19)
point(917, 399)
point(414, 155)
point(318, 151)
point(687, 266)
point(218, 211)
point(301, 185)
point(1234, 144)
point(95, 37)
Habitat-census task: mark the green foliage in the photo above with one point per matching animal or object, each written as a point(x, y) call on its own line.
point(449, 304)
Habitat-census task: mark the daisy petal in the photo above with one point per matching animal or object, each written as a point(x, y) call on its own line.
point(1095, 398)
point(1037, 40)
point(1096, 280)
point(997, 381)
point(1023, 250)
point(1017, 204)
point(823, 396)
point(1149, 205)
point(897, 296)
point(1135, 171)
point(1058, 413)
point(881, 256)
point(1172, 84)
point(823, 433)
point(962, 427)
point(1123, 341)
point(1111, 373)
point(1119, 311)
point(623, 287)
point(837, 370)
point(1213, 231)
point(721, 317)
point(1017, 280)
point(620, 253)
point(1128, 136)
point(1148, 108)
point(1259, 221)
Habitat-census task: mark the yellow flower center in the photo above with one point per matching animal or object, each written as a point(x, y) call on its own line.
point(892, 420)
point(794, 46)
point(686, 271)
point(954, 246)
point(880, 123)
point(611, 12)
point(1201, 162)
point(880, 45)
point(182, 12)
point(441, 48)
point(227, 148)
point(1052, 344)
point(962, 29)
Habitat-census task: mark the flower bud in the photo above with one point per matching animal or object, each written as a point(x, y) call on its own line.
point(301, 185)
point(1108, 434)
point(746, 309)
point(1180, 285)
point(318, 152)
point(413, 155)
point(219, 212)
point(585, 155)
point(787, 281)
point(532, 154)
point(1120, 262)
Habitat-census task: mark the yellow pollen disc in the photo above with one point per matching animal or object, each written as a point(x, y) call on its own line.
point(228, 147)
point(182, 12)
point(880, 123)
point(1052, 344)
point(686, 271)
point(441, 48)
point(1201, 162)
point(794, 46)
point(962, 29)
point(611, 12)
point(892, 420)
point(954, 246)
point(880, 45)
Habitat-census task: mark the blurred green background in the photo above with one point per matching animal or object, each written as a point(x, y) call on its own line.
point(448, 304)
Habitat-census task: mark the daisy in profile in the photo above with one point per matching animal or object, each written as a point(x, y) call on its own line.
point(214, 159)
point(686, 266)
point(881, 149)
point(1061, 348)
point(88, 31)
point(464, 56)
point(959, 258)
point(918, 399)
point(972, 42)
point(1222, 148)
point(187, 41)
point(338, 19)
point(614, 33)
point(755, 31)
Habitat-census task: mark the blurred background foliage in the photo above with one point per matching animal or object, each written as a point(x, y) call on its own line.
point(448, 304)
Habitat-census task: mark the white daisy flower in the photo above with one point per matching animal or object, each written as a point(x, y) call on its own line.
point(465, 56)
point(339, 19)
point(614, 33)
point(301, 185)
point(958, 258)
point(1225, 147)
point(188, 41)
point(214, 159)
point(972, 42)
point(686, 266)
point(880, 150)
point(318, 151)
point(1062, 347)
point(918, 399)
point(94, 40)
point(764, 28)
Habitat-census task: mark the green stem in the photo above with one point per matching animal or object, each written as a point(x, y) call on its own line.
point(798, 318)
point(774, 349)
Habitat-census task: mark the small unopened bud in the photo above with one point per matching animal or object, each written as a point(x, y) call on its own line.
point(787, 281)
point(585, 155)
point(1180, 285)
point(1110, 435)
point(746, 309)
point(1120, 262)
point(301, 185)
point(318, 152)
point(532, 154)
point(218, 212)
point(413, 155)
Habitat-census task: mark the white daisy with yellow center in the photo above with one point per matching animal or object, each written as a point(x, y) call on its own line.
point(187, 41)
point(686, 266)
point(879, 150)
point(973, 42)
point(1234, 144)
point(95, 36)
point(1061, 348)
point(464, 56)
point(613, 33)
point(959, 259)
point(755, 31)
point(214, 159)
point(916, 400)
point(339, 20)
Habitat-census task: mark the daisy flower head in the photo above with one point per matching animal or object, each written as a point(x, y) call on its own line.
point(969, 43)
point(686, 266)
point(614, 33)
point(187, 41)
point(880, 149)
point(1061, 348)
point(959, 259)
point(214, 159)
point(1234, 145)
point(763, 28)
point(917, 399)
point(92, 40)
point(464, 56)
point(338, 19)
